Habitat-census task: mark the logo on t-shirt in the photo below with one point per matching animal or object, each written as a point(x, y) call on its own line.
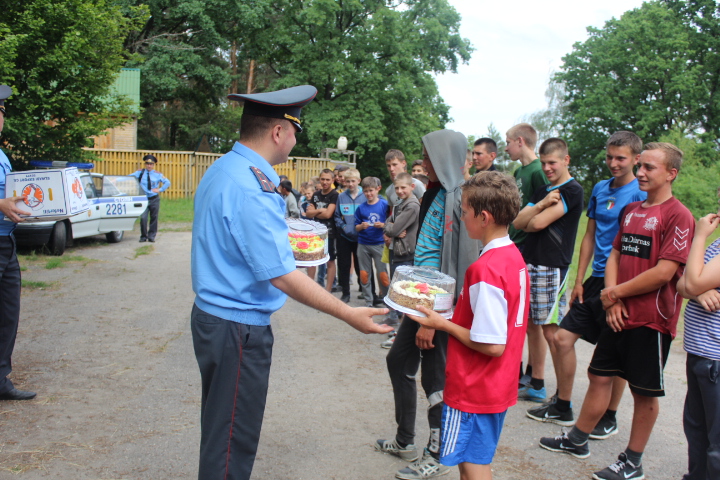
point(628, 217)
point(636, 245)
point(680, 240)
point(373, 218)
point(610, 204)
point(651, 223)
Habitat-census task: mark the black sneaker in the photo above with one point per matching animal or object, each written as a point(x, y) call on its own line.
point(622, 469)
point(563, 444)
point(345, 298)
point(605, 428)
point(549, 413)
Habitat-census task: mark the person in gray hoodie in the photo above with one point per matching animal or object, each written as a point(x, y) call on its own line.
point(442, 244)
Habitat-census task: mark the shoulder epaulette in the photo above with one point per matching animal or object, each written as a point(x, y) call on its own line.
point(265, 184)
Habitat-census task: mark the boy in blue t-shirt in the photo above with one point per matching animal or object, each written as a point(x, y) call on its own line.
point(586, 317)
point(370, 219)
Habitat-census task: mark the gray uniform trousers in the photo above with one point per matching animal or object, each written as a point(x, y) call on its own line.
point(234, 361)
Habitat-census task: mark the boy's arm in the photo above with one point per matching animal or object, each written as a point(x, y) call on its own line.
point(534, 218)
point(587, 248)
point(436, 322)
point(700, 277)
point(402, 221)
point(326, 212)
point(709, 300)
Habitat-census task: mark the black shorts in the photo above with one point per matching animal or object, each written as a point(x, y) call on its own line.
point(587, 319)
point(638, 355)
point(331, 248)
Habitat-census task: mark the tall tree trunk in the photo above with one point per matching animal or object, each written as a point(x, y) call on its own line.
point(251, 77)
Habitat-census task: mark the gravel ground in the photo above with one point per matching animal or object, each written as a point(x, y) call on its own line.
point(107, 346)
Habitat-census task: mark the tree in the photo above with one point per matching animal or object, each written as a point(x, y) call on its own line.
point(371, 61)
point(636, 73)
point(61, 58)
point(189, 51)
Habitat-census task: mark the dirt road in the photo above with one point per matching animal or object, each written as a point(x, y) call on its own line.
point(107, 346)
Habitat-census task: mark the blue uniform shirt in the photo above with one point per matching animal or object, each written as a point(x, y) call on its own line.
point(240, 240)
point(6, 226)
point(155, 179)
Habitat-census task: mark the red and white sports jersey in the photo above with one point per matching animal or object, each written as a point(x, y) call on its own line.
point(493, 305)
point(647, 235)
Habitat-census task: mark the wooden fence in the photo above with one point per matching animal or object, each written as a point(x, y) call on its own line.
point(185, 169)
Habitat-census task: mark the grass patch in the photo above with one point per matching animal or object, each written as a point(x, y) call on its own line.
point(32, 257)
point(144, 250)
point(55, 262)
point(33, 285)
point(177, 211)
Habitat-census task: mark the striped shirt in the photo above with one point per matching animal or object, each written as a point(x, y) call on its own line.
point(702, 328)
point(429, 245)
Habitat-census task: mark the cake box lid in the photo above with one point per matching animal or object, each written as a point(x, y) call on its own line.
point(305, 227)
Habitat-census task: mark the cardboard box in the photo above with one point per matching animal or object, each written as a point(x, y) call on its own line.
point(50, 195)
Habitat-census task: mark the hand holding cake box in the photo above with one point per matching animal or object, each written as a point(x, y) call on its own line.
point(412, 287)
point(308, 241)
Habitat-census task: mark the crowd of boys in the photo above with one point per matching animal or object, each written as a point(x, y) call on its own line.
point(637, 241)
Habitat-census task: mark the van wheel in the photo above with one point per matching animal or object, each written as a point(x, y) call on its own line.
point(115, 237)
point(58, 239)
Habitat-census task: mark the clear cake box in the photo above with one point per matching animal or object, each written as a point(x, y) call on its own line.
point(412, 286)
point(308, 241)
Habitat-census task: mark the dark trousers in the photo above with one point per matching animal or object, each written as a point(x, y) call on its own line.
point(701, 418)
point(9, 307)
point(234, 361)
point(403, 362)
point(346, 252)
point(152, 210)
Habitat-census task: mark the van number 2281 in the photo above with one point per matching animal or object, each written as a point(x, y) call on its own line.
point(116, 209)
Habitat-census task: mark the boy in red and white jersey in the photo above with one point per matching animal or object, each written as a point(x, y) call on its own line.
point(487, 330)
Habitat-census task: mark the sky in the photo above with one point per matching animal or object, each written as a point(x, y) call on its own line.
point(518, 45)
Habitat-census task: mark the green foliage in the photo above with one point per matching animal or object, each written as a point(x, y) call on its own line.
point(187, 52)
point(60, 57)
point(637, 73)
point(697, 184)
point(371, 62)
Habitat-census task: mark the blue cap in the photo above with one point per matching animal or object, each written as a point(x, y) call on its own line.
point(5, 92)
point(285, 104)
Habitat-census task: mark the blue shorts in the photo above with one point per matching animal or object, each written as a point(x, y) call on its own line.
point(469, 437)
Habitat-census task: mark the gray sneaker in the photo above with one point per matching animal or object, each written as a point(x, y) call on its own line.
point(428, 467)
point(408, 453)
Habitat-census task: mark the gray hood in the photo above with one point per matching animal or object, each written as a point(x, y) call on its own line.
point(447, 150)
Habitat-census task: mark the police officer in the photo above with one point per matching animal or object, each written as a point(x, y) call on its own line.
point(242, 271)
point(153, 183)
point(9, 273)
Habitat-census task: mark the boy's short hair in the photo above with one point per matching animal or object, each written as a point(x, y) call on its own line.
point(287, 185)
point(554, 145)
point(417, 163)
point(352, 173)
point(673, 155)
point(423, 178)
point(394, 153)
point(370, 182)
point(623, 138)
point(403, 177)
point(341, 168)
point(490, 144)
point(524, 131)
point(327, 171)
point(494, 192)
point(306, 185)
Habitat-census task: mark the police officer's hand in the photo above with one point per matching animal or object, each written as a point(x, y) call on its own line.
point(361, 320)
point(10, 210)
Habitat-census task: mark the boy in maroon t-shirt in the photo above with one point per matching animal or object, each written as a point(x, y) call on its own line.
point(487, 330)
point(642, 308)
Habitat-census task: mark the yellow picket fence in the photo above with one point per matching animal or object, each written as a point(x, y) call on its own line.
point(185, 169)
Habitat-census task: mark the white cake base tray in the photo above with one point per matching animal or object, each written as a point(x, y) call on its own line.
point(312, 263)
point(400, 308)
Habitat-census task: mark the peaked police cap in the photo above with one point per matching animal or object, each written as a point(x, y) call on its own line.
point(285, 104)
point(5, 92)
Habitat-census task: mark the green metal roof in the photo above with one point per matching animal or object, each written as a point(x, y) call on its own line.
point(128, 83)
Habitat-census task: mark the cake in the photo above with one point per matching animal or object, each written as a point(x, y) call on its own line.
point(307, 247)
point(409, 294)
